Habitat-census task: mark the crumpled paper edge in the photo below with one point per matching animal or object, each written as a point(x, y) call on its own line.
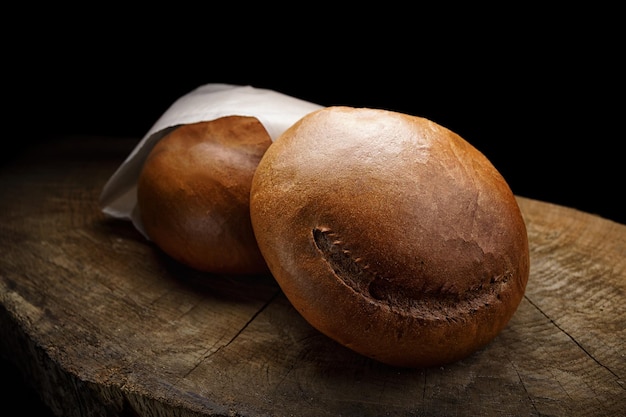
point(275, 111)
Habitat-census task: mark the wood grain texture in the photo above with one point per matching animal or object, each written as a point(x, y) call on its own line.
point(103, 324)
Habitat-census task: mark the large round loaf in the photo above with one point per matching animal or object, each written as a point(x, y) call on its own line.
point(390, 234)
point(193, 194)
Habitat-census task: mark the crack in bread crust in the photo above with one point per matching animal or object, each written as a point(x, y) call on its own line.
point(351, 270)
point(357, 274)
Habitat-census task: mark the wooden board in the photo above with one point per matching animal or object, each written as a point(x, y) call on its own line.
point(103, 324)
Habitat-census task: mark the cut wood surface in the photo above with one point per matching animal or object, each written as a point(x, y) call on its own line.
point(102, 324)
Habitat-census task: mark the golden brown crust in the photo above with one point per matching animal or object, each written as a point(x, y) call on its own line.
point(193, 194)
point(390, 234)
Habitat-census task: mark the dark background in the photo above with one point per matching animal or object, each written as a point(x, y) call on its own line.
point(539, 93)
point(546, 110)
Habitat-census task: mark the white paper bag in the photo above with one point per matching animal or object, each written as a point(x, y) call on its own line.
point(274, 110)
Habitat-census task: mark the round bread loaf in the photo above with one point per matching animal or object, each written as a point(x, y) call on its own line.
point(390, 234)
point(193, 194)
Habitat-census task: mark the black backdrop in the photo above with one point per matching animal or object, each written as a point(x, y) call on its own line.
point(547, 114)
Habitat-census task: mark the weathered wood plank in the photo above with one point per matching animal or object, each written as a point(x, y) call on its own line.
point(104, 324)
